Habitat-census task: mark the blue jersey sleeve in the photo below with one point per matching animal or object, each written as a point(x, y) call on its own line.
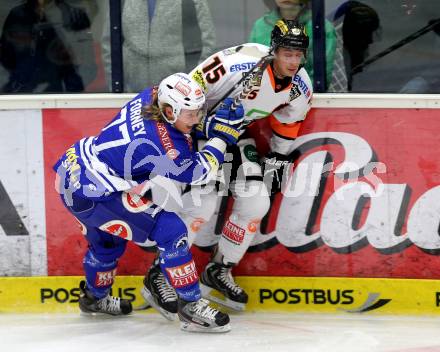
point(132, 149)
point(169, 153)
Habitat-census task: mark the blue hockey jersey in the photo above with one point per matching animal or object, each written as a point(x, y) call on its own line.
point(132, 149)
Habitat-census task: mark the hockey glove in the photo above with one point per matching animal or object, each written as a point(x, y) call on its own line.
point(225, 124)
point(229, 134)
point(275, 171)
point(230, 113)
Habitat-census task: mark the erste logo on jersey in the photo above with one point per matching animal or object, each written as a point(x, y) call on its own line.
point(118, 228)
point(244, 66)
point(135, 203)
point(166, 141)
point(302, 85)
point(183, 275)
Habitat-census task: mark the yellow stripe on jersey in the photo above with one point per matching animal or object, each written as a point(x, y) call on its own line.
point(212, 161)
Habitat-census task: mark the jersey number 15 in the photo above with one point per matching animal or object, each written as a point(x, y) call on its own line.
point(214, 71)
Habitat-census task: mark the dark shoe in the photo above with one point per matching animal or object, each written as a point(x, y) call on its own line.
point(159, 293)
point(107, 305)
point(218, 277)
point(199, 316)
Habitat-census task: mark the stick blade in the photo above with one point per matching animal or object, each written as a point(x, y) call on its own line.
point(251, 50)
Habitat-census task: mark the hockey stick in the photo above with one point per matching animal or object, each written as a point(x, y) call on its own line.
point(429, 27)
point(249, 79)
point(143, 306)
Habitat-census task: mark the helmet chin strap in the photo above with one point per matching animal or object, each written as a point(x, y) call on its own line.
point(167, 119)
point(277, 73)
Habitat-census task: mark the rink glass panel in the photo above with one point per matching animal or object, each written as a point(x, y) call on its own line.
point(409, 67)
point(59, 53)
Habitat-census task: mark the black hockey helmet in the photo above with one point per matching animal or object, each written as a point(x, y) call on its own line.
point(289, 34)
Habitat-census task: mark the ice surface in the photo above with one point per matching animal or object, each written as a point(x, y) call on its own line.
point(250, 332)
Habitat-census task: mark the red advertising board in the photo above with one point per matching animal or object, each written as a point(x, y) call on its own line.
point(362, 201)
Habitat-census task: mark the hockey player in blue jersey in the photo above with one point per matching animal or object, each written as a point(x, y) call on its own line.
point(149, 137)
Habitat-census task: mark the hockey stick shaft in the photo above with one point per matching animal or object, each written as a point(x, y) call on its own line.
point(247, 87)
point(396, 46)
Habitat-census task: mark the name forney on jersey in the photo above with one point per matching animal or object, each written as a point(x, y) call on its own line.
point(217, 74)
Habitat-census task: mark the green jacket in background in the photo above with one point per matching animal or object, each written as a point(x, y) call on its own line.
point(263, 27)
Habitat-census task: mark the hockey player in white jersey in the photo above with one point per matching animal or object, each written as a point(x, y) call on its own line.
point(271, 83)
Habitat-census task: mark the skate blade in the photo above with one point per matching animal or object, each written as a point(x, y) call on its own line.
point(217, 297)
point(92, 314)
point(101, 315)
point(143, 306)
point(191, 327)
point(150, 299)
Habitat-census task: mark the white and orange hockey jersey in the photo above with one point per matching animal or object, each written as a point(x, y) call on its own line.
point(285, 109)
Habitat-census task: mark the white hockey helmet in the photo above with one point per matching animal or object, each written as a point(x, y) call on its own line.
point(181, 92)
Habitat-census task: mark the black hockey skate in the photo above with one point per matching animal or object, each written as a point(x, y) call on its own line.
point(107, 305)
point(218, 277)
point(159, 293)
point(199, 316)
